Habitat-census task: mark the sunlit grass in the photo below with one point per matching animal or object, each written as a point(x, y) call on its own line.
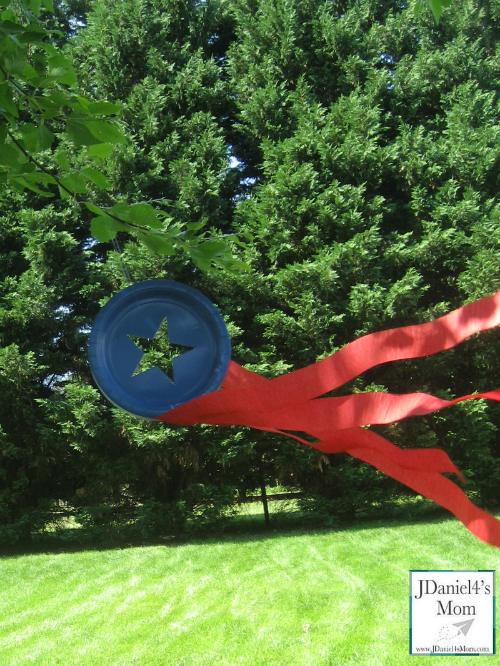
point(317, 598)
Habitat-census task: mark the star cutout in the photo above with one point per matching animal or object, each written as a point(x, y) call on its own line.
point(159, 352)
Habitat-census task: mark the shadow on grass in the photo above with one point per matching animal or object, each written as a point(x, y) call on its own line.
point(240, 529)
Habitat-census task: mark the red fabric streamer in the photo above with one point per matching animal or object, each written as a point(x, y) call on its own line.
point(292, 402)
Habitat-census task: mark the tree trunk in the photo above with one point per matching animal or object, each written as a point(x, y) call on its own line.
point(264, 503)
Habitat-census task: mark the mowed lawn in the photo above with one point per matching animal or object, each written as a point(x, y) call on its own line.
point(302, 598)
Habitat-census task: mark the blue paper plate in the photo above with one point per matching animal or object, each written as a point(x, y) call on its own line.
point(121, 334)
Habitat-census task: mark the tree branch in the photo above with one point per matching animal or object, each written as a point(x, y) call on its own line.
point(37, 164)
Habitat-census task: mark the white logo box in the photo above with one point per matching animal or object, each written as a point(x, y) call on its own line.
point(452, 612)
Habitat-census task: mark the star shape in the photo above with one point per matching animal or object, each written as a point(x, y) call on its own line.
point(158, 352)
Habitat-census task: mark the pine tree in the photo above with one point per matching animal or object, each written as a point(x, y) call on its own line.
point(49, 287)
point(357, 145)
point(372, 136)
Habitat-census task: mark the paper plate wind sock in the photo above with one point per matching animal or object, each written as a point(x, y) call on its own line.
point(191, 335)
point(291, 402)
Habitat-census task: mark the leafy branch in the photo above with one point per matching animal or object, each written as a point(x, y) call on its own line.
point(41, 110)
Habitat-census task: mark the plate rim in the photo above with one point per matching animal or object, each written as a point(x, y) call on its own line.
point(97, 347)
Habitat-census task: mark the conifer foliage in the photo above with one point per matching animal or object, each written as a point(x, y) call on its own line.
point(356, 147)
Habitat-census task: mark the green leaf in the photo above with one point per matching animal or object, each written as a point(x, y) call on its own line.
point(209, 253)
point(29, 72)
point(62, 69)
point(6, 45)
point(49, 5)
point(157, 243)
point(100, 230)
point(96, 177)
point(105, 131)
point(79, 133)
point(210, 249)
point(34, 34)
point(144, 214)
point(74, 182)
point(104, 108)
point(64, 194)
point(7, 104)
point(40, 177)
point(25, 182)
point(93, 208)
point(200, 262)
point(49, 49)
point(11, 156)
point(30, 137)
point(101, 150)
point(104, 228)
point(45, 137)
point(14, 64)
point(62, 160)
point(437, 7)
point(24, 168)
point(83, 103)
point(140, 214)
point(237, 266)
point(52, 103)
point(194, 226)
point(234, 239)
point(121, 210)
point(51, 108)
point(8, 15)
point(11, 27)
point(34, 6)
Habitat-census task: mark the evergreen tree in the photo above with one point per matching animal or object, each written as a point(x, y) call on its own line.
point(49, 286)
point(372, 135)
point(357, 145)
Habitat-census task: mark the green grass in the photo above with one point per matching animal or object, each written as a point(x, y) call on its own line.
point(302, 598)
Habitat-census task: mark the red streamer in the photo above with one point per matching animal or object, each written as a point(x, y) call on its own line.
point(292, 402)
